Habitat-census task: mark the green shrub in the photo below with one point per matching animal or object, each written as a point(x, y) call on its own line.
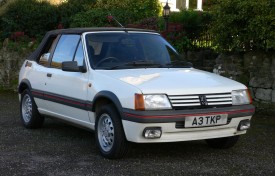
point(193, 21)
point(69, 8)
point(125, 11)
point(194, 25)
point(4, 4)
point(241, 25)
point(97, 17)
point(191, 18)
point(140, 9)
point(29, 16)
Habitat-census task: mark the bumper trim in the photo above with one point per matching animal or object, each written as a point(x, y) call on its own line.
point(179, 115)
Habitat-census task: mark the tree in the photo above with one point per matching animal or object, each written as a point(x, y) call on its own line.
point(142, 8)
point(29, 16)
point(126, 12)
point(244, 24)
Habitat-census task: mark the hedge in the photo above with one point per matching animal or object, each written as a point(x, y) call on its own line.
point(243, 25)
point(29, 16)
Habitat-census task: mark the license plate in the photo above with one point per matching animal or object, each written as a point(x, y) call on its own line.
point(209, 120)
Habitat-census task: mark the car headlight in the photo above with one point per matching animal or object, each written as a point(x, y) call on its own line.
point(151, 102)
point(240, 97)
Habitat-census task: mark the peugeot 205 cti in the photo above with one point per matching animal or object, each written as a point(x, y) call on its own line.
point(129, 85)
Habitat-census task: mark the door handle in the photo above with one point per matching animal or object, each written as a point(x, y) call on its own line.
point(49, 75)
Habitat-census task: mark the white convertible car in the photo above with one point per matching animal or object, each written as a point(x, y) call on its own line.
point(129, 85)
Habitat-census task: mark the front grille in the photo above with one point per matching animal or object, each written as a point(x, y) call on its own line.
point(193, 101)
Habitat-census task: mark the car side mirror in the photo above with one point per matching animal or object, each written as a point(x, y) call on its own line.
point(71, 66)
point(44, 58)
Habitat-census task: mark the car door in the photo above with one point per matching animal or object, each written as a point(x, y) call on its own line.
point(38, 75)
point(66, 92)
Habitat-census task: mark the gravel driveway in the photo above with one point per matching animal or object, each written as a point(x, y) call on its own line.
point(60, 149)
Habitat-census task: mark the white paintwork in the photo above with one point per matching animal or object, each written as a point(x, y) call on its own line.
point(101, 80)
point(69, 84)
point(133, 131)
point(37, 75)
point(69, 118)
point(174, 81)
point(125, 84)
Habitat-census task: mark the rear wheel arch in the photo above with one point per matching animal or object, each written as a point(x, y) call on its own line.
point(29, 113)
point(24, 84)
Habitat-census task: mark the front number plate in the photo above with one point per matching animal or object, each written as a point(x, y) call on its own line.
point(209, 120)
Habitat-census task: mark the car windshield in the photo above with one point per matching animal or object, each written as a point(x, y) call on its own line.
point(129, 50)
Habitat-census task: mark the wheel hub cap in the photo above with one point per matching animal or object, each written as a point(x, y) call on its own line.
point(105, 132)
point(26, 108)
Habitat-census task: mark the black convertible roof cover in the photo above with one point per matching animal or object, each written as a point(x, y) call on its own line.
point(34, 56)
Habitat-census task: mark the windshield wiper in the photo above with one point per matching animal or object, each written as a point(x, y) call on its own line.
point(138, 63)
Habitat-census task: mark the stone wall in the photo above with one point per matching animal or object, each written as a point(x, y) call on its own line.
point(254, 69)
point(10, 64)
point(262, 74)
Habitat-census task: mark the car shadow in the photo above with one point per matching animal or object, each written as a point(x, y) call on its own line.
point(60, 130)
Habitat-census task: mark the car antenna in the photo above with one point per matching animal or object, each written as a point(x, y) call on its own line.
point(110, 18)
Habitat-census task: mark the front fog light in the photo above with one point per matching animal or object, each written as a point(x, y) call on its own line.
point(152, 132)
point(244, 125)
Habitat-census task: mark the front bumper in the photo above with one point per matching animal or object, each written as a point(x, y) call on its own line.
point(134, 122)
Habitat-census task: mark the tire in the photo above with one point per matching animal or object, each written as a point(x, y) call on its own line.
point(222, 143)
point(29, 114)
point(109, 133)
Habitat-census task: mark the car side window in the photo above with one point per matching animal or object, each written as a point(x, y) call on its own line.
point(65, 50)
point(46, 51)
point(79, 56)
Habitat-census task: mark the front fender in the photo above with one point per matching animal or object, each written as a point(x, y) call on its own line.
point(111, 97)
